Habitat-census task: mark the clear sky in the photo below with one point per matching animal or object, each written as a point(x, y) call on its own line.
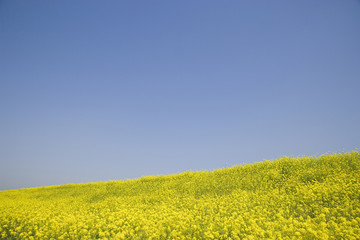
point(110, 90)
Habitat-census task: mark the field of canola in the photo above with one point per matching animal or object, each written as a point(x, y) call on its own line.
point(289, 198)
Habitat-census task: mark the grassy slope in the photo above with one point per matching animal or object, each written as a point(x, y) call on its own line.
point(308, 197)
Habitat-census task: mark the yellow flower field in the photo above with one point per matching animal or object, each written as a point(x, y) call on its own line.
point(289, 198)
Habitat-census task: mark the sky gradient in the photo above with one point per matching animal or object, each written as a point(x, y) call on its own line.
point(110, 90)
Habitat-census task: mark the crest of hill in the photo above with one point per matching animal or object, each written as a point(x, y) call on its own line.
point(285, 175)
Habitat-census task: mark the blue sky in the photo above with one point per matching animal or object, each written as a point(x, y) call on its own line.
point(109, 90)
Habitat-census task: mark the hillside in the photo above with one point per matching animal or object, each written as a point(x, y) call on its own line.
point(289, 198)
